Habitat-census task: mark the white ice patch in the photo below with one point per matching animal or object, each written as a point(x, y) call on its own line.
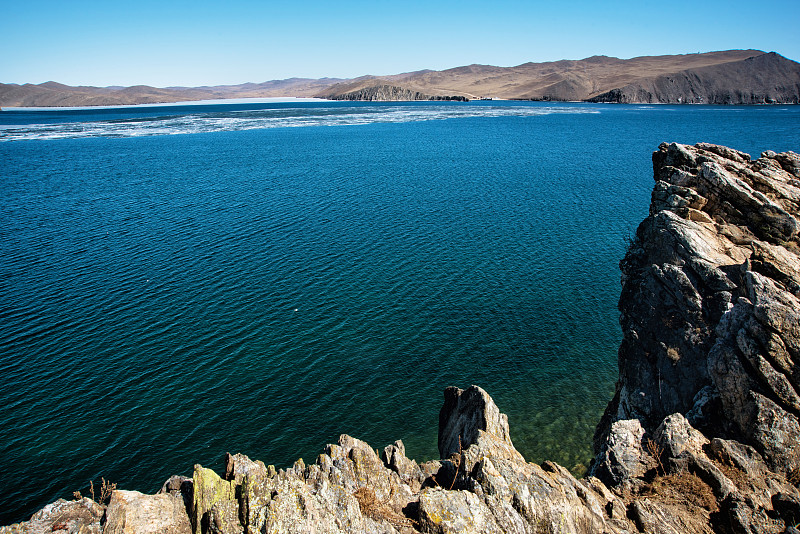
point(272, 118)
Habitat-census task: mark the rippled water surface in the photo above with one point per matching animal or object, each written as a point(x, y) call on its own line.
point(283, 273)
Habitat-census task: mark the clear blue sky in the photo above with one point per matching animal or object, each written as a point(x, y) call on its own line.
point(164, 43)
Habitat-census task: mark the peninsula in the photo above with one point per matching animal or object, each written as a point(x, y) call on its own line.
point(727, 77)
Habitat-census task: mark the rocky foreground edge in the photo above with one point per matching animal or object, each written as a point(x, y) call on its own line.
point(702, 435)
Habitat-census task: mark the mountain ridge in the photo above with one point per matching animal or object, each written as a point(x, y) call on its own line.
point(725, 77)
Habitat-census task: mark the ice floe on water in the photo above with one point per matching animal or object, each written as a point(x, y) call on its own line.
point(220, 121)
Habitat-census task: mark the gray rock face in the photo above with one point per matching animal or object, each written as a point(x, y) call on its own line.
point(66, 517)
point(708, 396)
point(389, 93)
point(710, 306)
point(470, 417)
point(131, 512)
point(623, 457)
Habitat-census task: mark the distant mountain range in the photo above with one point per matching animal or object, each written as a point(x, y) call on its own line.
point(728, 77)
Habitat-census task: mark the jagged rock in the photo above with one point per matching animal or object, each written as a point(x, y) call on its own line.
point(546, 496)
point(237, 466)
point(65, 517)
point(485, 485)
point(443, 512)
point(676, 435)
point(474, 435)
point(623, 456)
point(394, 457)
point(470, 417)
point(209, 489)
point(131, 512)
point(709, 307)
point(348, 489)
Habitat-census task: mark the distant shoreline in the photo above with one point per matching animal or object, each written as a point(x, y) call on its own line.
point(731, 77)
point(269, 100)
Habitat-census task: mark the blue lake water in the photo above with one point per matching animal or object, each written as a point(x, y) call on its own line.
point(177, 282)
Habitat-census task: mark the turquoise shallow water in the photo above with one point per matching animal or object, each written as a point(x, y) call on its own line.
point(179, 282)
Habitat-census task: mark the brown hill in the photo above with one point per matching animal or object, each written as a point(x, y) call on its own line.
point(559, 80)
point(764, 79)
point(727, 77)
point(55, 94)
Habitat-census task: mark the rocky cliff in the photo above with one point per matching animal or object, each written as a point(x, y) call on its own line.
point(764, 79)
point(709, 305)
point(701, 436)
point(385, 92)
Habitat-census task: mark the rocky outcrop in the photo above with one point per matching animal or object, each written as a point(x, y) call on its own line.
point(389, 93)
point(483, 485)
point(672, 480)
point(131, 512)
point(710, 312)
point(709, 305)
point(81, 516)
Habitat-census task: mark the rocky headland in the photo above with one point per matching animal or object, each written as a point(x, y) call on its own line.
point(724, 77)
point(386, 92)
point(702, 435)
point(739, 82)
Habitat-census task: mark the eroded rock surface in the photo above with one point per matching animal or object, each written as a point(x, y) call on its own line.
point(710, 313)
point(131, 512)
point(81, 516)
point(483, 485)
point(710, 300)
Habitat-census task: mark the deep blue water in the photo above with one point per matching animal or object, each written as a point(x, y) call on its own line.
point(272, 276)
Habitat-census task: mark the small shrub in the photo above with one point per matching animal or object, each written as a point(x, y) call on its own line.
point(106, 489)
point(655, 451)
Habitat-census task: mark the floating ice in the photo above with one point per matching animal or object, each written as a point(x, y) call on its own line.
point(217, 121)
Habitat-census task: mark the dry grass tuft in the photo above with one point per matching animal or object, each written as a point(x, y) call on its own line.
point(684, 488)
point(655, 451)
point(456, 459)
point(106, 489)
point(794, 477)
point(379, 510)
